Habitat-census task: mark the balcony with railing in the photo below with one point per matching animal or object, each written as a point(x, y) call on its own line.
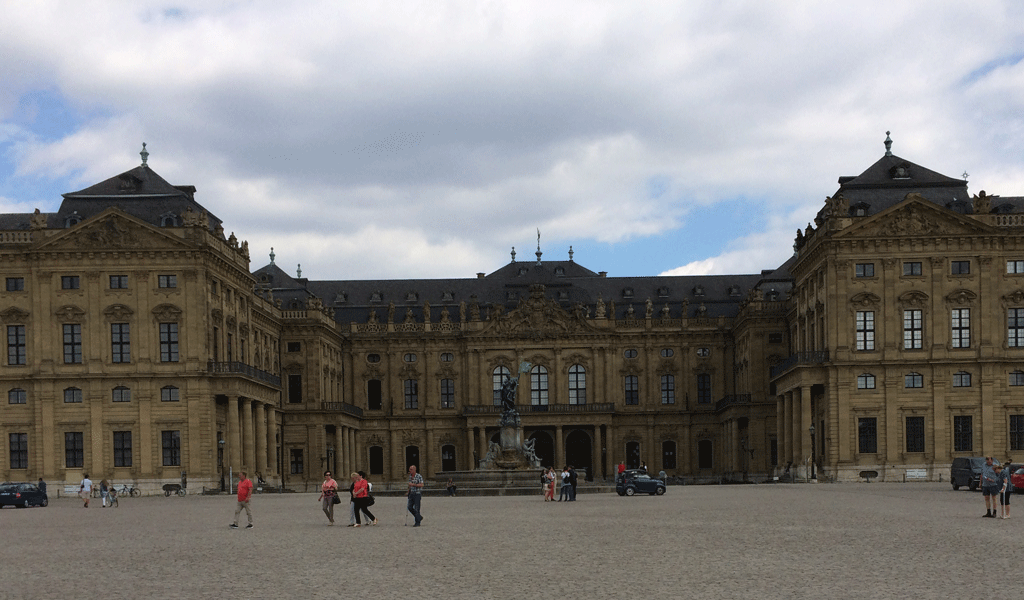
point(557, 409)
point(800, 358)
point(731, 400)
point(239, 368)
point(342, 407)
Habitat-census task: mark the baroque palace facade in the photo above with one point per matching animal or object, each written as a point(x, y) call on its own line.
point(140, 346)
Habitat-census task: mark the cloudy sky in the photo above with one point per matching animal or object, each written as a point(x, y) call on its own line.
point(425, 139)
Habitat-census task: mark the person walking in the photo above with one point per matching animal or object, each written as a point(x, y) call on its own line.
point(104, 492)
point(328, 491)
point(361, 494)
point(989, 487)
point(85, 489)
point(42, 487)
point(244, 495)
point(415, 495)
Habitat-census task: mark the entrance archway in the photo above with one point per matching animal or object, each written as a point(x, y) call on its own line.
point(705, 456)
point(544, 448)
point(578, 451)
point(448, 457)
point(412, 457)
point(632, 455)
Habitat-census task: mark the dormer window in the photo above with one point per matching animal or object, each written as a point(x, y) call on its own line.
point(341, 298)
point(560, 271)
point(412, 297)
point(734, 290)
point(523, 271)
point(376, 297)
point(627, 293)
point(74, 219)
point(168, 220)
point(563, 295)
point(900, 172)
point(663, 292)
point(698, 291)
point(447, 296)
point(860, 209)
point(510, 296)
point(772, 296)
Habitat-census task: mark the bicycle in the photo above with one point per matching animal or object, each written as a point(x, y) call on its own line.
point(127, 490)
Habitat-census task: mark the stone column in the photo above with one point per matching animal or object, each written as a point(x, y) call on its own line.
point(780, 432)
point(261, 439)
point(559, 448)
point(471, 447)
point(234, 435)
point(272, 466)
point(248, 438)
point(482, 442)
point(353, 451)
point(598, 470)
point(428, 455)
point(805, 433)
point(789, 451)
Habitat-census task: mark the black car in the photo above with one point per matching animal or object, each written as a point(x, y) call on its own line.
point(635, 481)
point(21, 495)
point(966, 470)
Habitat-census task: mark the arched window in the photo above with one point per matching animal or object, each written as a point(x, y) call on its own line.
point(498, 377)
point(539, 386)
point(448, 457)
point(577, 384)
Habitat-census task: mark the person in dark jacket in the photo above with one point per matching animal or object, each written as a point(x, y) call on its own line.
point(573, 480)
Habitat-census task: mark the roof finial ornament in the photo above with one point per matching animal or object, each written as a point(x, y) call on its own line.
point(513, 254)
point(570, 253)
point(272, 255)
point(966, 175)
point(298, 272)
point(144, 154)
point(888, 144)
point(538, 247)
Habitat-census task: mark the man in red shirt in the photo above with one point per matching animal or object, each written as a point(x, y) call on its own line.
point(244, 494)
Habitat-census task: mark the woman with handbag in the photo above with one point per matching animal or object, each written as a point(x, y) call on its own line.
point(329, 496)
point(361, 494)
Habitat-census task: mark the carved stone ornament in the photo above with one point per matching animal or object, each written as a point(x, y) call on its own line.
point(865, 299)
point(14, 314)
point(409, 372)
point(375, 440)
point(37, 221)
point(111, 232)
point(410, 438)
point(118, 312)
point(446, 371)
point(910, 221)
point(446, 439)
point(373, 372)
point(167, 312)
point(538, 317)
point(69, 312)
point(217, 315)
point(961, 296)
point(1015, 297)
point(576, 359)
point(914, 298)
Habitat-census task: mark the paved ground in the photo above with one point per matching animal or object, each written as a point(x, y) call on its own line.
point(878, 540)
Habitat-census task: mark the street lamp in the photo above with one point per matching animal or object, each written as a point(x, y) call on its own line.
point(811, 429)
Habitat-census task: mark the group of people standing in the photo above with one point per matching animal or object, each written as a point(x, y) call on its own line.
point(995, 482)
point(360, 498)
point(567, 480)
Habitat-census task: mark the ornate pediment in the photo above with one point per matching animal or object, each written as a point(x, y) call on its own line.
point(538, 317)
point(69, 312)
point(118, 312)
point(375, 440)
point(915, 216)
point(914, 298)
point(112, 230)
point(446, 372)
point(1015, 297)
point(961, 296)
point(13, 314)
point(372, 372)
point(864, 299)
point(167, 313)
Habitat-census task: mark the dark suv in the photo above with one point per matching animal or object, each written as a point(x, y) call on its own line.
point(635, 481)
point(966, 471)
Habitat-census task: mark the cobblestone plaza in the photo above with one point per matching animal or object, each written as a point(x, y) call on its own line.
point(878, 540)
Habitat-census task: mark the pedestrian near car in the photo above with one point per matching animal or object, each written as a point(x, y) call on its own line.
point(1005, 487)
point(85, 489)
point(328, 491)
point(415, 495)
point(104, 492)
point(361, 494)
point(244, 496)
point(42, 487)
point(989, 486)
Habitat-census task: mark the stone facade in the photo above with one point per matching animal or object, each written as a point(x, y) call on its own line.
point(141, 346)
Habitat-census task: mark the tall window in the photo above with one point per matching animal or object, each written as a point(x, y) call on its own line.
point(171, 443)
point(73, 395)
point(69, 282)
point(704, 388)
point(961, 379)
point(72, 343)
point(539, 386)
point(963, 434)
point(16, 345)
point(296, 461)
point(1016, 432)
point(17, 396)
point(913, 380)
point(865, 381)
point(867, 435)
point(632, 389)
point(294, 389)
point(1014, 327)
point(19, 450)
point(668, 454)
point(447, 393)
point(913, 330)
point(168, 342)
point(167, 281)
point(961, 325)
point(577, 385)
point(865, 330)
point(118, 282)
point(120, 343)
point(412, 394)
point(74, 454)
point(122, 448)
point(1017, 378)
point(169, 393)
point(121, 394)
point(915, 434)
point(498, 377)
point(668, 389)
point(374, 400)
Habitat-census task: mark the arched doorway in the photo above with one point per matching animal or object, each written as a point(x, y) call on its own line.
point(412, 457)
point(448, 457)
point(544, 448)
point(632, 455)
point(578, 451)
point(376, 460)
point(705, 455)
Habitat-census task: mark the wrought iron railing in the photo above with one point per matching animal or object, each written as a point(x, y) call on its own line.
point(344, 407)
point(238, 368)
point(542, 408)
point(732, 399)
point(800, 358)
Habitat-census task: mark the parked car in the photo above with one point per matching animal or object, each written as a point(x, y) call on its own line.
point(635, 481)
point(1017, 478)
point(21, 495)
point(966, 471)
